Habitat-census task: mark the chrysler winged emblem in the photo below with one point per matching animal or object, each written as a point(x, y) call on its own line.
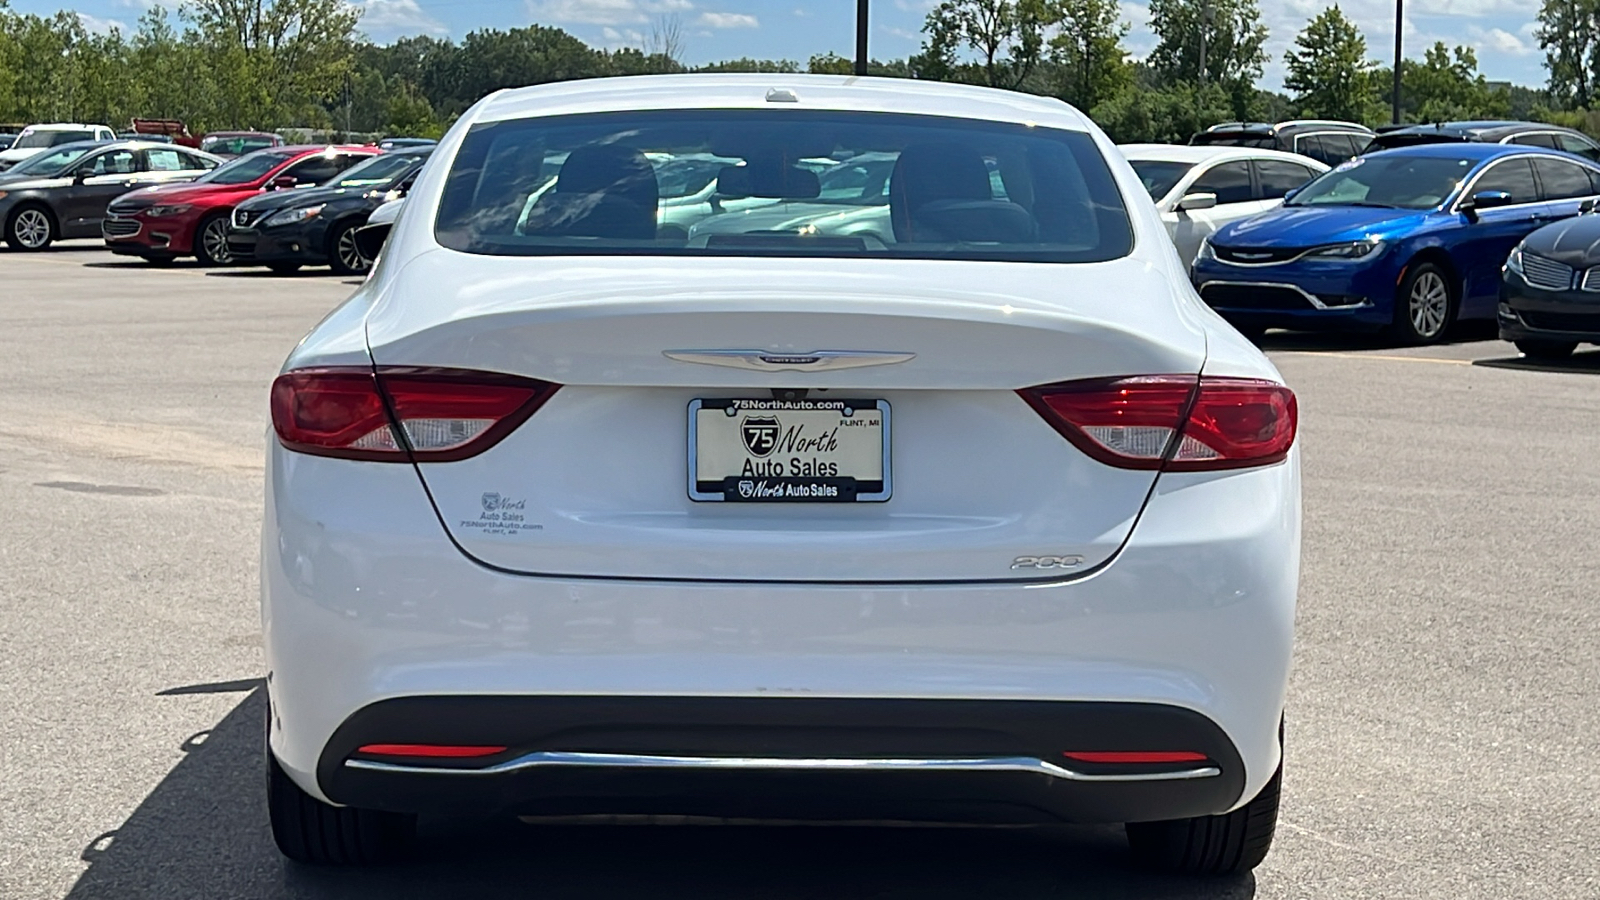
point(776, 361)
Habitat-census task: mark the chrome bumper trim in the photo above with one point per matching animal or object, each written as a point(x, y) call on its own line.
point(558, 759)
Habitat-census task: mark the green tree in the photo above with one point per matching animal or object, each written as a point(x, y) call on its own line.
point(746, 64)
point(1006, 37)
point(1447, 86)
point(1086, 52)
point(1166, 115)
point(1328, 69)
point(1234, 41)
point(275, 60)
point(1569, 34)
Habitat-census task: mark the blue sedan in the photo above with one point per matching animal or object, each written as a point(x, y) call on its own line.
point(1405, 240)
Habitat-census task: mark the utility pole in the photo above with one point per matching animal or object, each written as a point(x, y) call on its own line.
point(861, 37)
point(1399, 29)
point(1205, 32)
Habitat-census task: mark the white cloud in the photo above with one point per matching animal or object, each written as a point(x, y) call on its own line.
point(728, 20)
point(1470, 8)
point(603, 12)
point(97, 25)
point(627, 37)
point(392, 18)
point(905, 34)
point(801, 12)
point(1498, 40)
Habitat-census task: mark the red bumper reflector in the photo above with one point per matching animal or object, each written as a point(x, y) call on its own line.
point(434, 751)
point(1118, 757)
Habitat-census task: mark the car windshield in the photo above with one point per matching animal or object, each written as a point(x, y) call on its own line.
point(1402, 182)
point(49, 162)
point(245, 169)
point(1159, 176)
point(1236, 139)
point(379, 170)
point(39, 140)
point(786, 183)
point(236, 145)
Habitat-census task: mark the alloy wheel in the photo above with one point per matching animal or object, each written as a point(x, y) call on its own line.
point(215, 241)
point(1429, 304)
point(31, 229)
point(349, 252)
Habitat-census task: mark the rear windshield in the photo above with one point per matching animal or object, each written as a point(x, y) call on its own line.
point(1159, 176)
point(1235, 139)
point(40, 139)
point(782, 183)
point(237, 146)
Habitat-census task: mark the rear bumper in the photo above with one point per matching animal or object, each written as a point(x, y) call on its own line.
point(368, 607)
point(789, 757)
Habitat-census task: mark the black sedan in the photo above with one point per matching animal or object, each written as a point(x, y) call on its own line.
point(1550, 290)
point(286, 229)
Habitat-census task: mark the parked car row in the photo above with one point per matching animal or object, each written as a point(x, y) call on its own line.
point(1332, 142)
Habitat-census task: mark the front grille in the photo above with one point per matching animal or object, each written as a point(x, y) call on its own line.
point(1549, 321)
point(1546, 273)
point(1252, 296)
point(1256, 256)
point(243, 217)
point(119, 228)
point(241, 250)
point(1591, 279)
point(121, 208)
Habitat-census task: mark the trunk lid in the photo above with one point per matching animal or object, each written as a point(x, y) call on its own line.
point(596, 484)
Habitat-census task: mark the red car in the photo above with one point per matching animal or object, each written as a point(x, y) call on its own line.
point(164, 222)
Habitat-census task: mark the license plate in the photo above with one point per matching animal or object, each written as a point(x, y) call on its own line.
point(789, 451)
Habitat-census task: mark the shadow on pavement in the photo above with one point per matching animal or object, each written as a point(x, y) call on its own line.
point(1311, 341)
point(202, 834)
point(255, 272)
point(1580, 363)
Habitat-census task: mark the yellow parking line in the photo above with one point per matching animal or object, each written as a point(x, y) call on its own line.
point(1385, 356)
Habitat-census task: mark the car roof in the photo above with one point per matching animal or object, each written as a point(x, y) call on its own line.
point(63, 126)
point(212, 134)
point(1291, 126)
point(1476, 151)
point(751, 91)
point(1198, 153)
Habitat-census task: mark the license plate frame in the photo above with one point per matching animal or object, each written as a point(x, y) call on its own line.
point(789, 489)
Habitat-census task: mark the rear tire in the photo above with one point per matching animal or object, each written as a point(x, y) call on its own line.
point(1425, 305)
point(30, 227)
point(1534, 348)
point(284, 268)
point(211, 240)
point(316, 833)
point(1230, 844)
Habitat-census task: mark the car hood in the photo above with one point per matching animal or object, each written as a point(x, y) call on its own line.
point(181, 193)
point(301, 197)
point(1575, 241)
point(1308, 226)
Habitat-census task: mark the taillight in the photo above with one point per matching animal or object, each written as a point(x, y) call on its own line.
point(443, 414)
point(1172, 422)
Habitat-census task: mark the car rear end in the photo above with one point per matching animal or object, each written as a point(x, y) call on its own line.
point(995, 522)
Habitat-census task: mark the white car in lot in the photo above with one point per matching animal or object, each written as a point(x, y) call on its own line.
point(989, 518)
point(36, 138)
point(1197, 190)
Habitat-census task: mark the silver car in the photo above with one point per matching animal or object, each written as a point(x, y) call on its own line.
point(63, 192)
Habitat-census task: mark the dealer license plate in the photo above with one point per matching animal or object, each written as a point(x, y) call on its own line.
point(789, 451)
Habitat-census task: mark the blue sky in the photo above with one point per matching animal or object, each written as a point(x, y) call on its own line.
point(1500, 30)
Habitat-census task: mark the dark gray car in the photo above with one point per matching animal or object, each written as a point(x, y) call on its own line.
point(63, 192)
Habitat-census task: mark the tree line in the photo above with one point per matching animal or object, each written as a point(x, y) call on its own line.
point(283, 63)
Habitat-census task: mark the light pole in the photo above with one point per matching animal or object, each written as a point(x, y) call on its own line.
point(1205, 32)
point(861, 37)
point(1399, 29)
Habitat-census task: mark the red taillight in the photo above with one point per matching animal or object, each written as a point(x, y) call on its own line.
point(430, 751)
point(444, 414)
point(1135, 757)
point(1172, 422)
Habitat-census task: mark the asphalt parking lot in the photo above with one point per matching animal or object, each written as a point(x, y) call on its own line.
point(1442, 722)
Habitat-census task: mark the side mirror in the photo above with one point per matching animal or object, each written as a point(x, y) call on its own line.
point(1289, 194)
point(1196, 201)
point(283, 182)
point(1588, 206)
point(1483, 200)
point(80, 176)
point(370, 238)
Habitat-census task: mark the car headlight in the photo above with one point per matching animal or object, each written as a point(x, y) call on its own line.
point(291, 216)
point(1205, 250)
point(1514, 261)
point(1351, 250)
point(161, 212)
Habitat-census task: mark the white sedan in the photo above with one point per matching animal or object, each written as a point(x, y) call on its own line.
point(1197, 190)
point(983, 518)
